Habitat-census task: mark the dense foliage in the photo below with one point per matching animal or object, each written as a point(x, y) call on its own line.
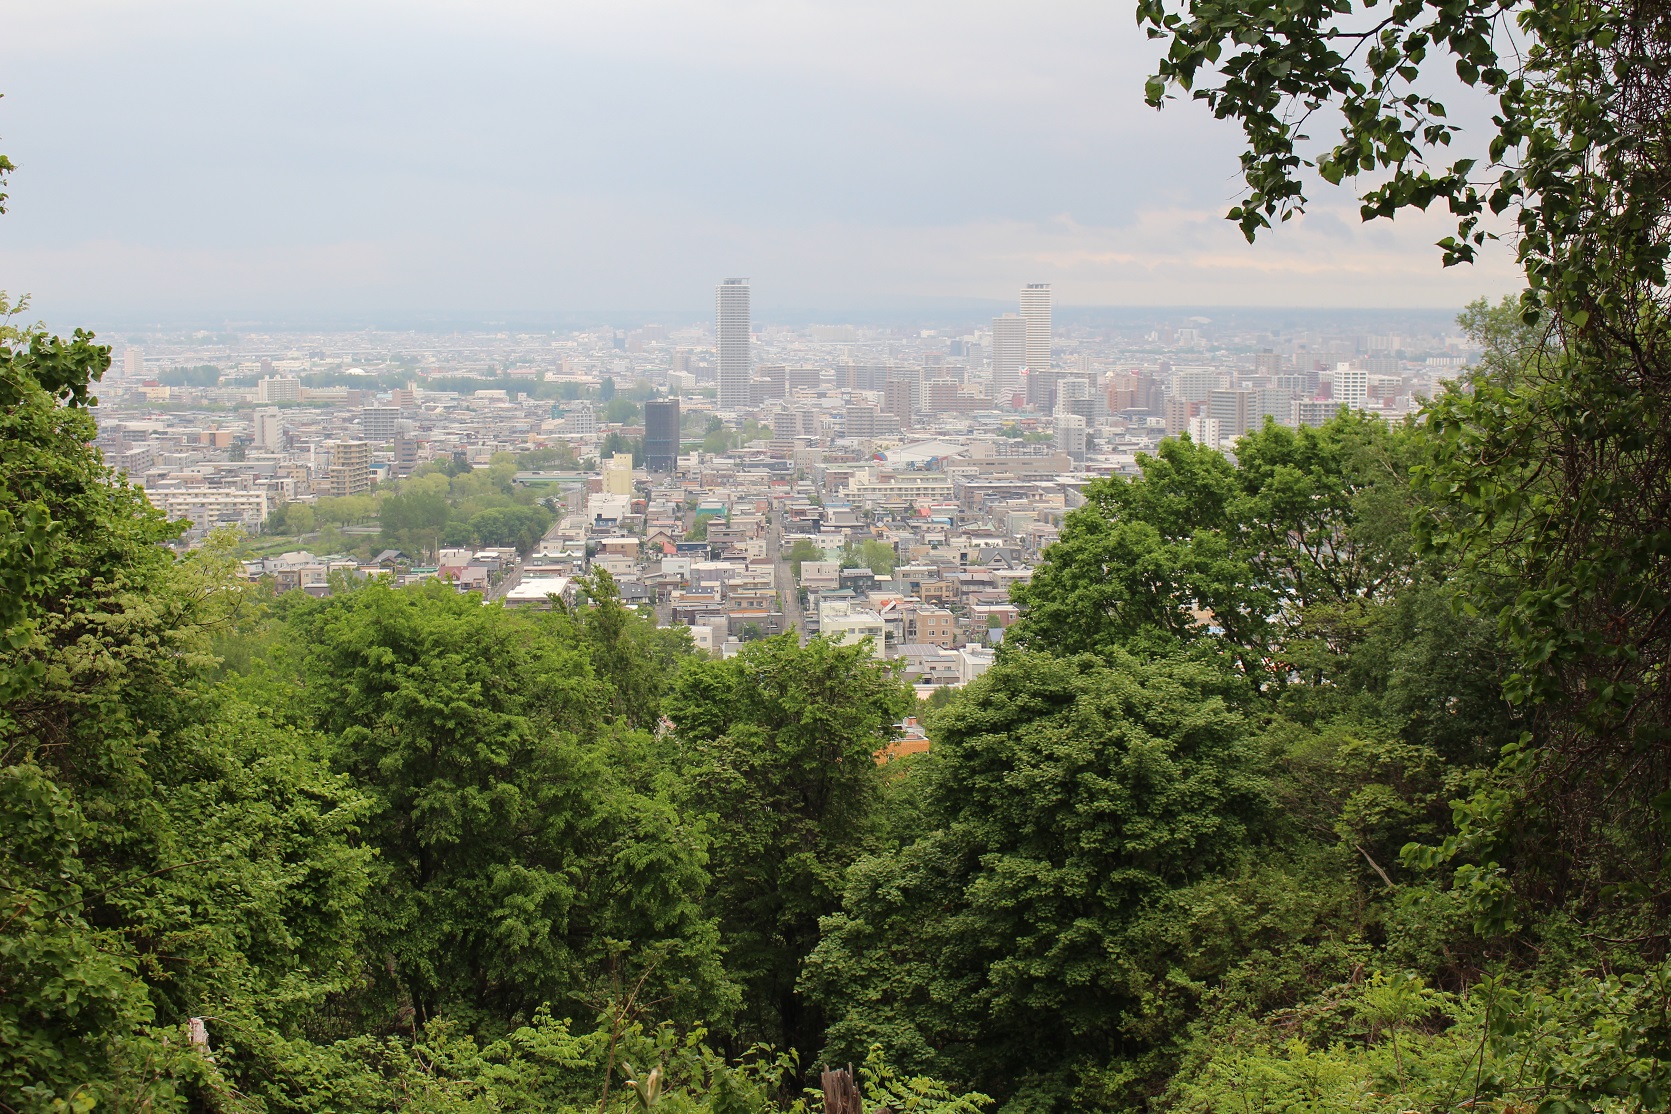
point(524, 848)
point(1063, 799)
point(166, 851)
point(1330, 776)
point(1547, 484)
point(777, 748)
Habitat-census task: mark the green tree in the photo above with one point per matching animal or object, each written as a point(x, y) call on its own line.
point(630, 654)
point(166, 852)
point(699, 526)
point(522, 527)
point(520, 856)
point(1156, 554)
point(344, 510)
point(614, 443)
point(290, 518)
point(803, 550)
point(877, 556)
point(1548, 482)
point(777, 747)
point(621, 411)
point(413, 520)
point(1196, 545)
point(559, 456)
point(1062, 798)
point(203, 375)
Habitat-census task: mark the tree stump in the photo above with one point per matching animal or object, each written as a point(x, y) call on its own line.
point(841, 1094)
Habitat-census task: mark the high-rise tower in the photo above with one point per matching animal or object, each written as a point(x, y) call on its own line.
point(1009, 356)
point(661, 434)
point(731, 329)
point(1351, 386)
point(1035, 310)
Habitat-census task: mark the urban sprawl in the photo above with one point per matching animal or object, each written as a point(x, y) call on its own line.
point(860, 483)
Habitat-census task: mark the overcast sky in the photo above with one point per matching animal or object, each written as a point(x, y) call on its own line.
point(420, 155)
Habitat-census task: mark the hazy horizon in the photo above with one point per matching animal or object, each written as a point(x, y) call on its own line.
point(949, 320)
point(189, 161)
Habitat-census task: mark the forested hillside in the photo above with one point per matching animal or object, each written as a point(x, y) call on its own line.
point(1331, 775)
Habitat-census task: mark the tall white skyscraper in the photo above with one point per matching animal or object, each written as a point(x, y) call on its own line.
point(731, 329)
point(1351, 386)
point(1009, 356)
point(1035, 310)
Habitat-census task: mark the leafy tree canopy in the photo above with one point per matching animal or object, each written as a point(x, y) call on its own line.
point(1195, 544)
point(1061, 797)
point(777, 747)
point(499, 821)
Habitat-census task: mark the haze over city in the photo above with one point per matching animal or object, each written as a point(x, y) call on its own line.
point(311, 161)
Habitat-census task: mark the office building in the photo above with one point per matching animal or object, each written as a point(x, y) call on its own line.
point(208, 508)
point(380, 423)
point(133, 363)
point(1204, 430)
point(1134, 391)
point(731, 332)
point(803, 378)
point(661, 434)
point(1041, 388)
point(863, 421)
point(269, 430)
point(943, 396)
point(1313, 411)
point(1303, 383)
point(772, 383)
point(1234, 412)
point(1035, 311)
point(617, 475)
point(350, 470)
point(786, 426)
point(1071, 436)
point(1351, 386)
point(579, 419)
point(1177, 416)
point(1194, 384)
point(896, 400)
point(277, 389)
point(406, 455)
point(1274, 402)
point(862, 377)
point(1009, 356)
